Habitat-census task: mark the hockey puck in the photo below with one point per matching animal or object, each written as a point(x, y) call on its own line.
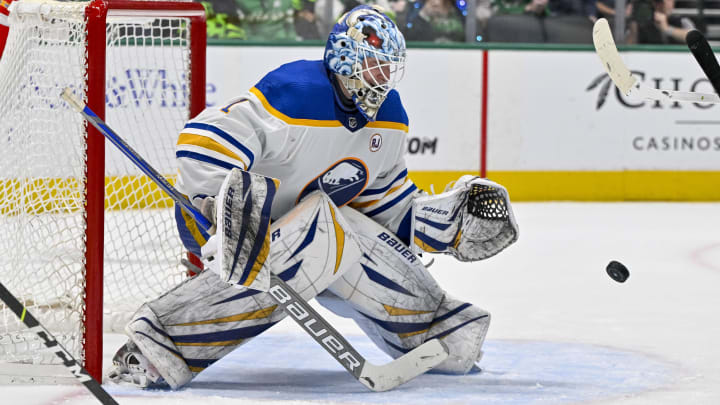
point(617, 271)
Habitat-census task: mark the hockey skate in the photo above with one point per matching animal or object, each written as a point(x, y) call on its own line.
point(131, 368)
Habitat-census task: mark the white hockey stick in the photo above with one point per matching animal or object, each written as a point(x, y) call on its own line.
point(378, 378)
point(629, 84)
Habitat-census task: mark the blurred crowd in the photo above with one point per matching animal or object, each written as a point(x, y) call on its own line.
point(530, 21)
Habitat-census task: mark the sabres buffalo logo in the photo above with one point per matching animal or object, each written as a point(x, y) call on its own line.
point(342, 182)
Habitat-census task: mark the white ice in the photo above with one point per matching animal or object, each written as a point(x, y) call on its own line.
point(562, 331)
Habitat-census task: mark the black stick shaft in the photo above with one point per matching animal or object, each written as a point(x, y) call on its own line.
point(49, 340)
point(698, 45)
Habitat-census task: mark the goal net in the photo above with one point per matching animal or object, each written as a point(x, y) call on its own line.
point(76, 218)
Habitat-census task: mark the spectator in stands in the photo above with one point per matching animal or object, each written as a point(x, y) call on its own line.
point(399, 9)
point(434, 20)
point(255, 20)
point(653, 22)
point(305, 19)
point(544, 8)
point(606, 9)
point(326, 19)
point(222, 22)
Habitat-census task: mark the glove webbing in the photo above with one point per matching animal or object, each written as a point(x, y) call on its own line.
point(486, 202)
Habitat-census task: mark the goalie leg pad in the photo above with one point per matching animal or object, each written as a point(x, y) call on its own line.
point(201, 320)
point(396, 302)
point(148, 334)
point(462, 327)
point(472, 221)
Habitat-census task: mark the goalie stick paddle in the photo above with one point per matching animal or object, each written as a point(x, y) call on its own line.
point(376, 377)
point(704, 56)
point(628, 84)
point(51, 343)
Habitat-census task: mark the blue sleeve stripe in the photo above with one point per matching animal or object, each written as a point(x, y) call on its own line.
point(224, 135)
point(386, 188)
point(205, 158)
point(393, 202)
point(434, 224)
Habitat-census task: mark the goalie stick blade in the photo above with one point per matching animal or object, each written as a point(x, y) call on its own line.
point(705, 57)
point(399, 371)
point(608, 53)
point(626, 82)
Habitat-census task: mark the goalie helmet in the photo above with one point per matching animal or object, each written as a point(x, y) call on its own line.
point(367, 51)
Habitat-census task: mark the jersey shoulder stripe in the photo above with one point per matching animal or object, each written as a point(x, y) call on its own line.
point(226, 137)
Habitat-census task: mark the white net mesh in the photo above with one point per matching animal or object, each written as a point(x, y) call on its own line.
point(43, 160)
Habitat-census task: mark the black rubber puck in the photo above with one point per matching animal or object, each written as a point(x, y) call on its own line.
point(617, 271)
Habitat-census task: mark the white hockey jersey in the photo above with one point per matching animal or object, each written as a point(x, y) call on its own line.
point(291, 126)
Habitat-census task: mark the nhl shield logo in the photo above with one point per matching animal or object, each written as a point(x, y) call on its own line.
point(375, 142)
point(352, 122)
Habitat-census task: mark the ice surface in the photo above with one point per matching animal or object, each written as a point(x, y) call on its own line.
point(562, 331)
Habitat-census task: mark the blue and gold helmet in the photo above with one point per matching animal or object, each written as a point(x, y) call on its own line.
point(367, 52)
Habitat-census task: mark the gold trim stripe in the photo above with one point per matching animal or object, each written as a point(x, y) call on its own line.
point(210, 144)
point(265, 249)
point(293, 121)
point(405, 335)
point(260, 261)
point(395, 311)
point(259, 314)
point(424, 246)
point(630, 185)
point(387, 125)
point(457, 239)
point(320, 123)
point(192, 227)
point(210, 344)
point(339, 239)
point(55, 195)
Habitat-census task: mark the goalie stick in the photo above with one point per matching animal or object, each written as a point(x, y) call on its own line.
point(51, 343)
point(628, 84)
point(704, 56)
point(376, 377)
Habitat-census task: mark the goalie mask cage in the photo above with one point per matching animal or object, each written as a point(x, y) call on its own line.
point(75, 216)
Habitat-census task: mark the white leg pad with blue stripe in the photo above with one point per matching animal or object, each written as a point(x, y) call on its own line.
point(462, 327)
point(204, 318)
point(148, 334)
point(397, 303)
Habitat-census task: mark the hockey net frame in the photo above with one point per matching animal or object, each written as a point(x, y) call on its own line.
point(98, 14)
